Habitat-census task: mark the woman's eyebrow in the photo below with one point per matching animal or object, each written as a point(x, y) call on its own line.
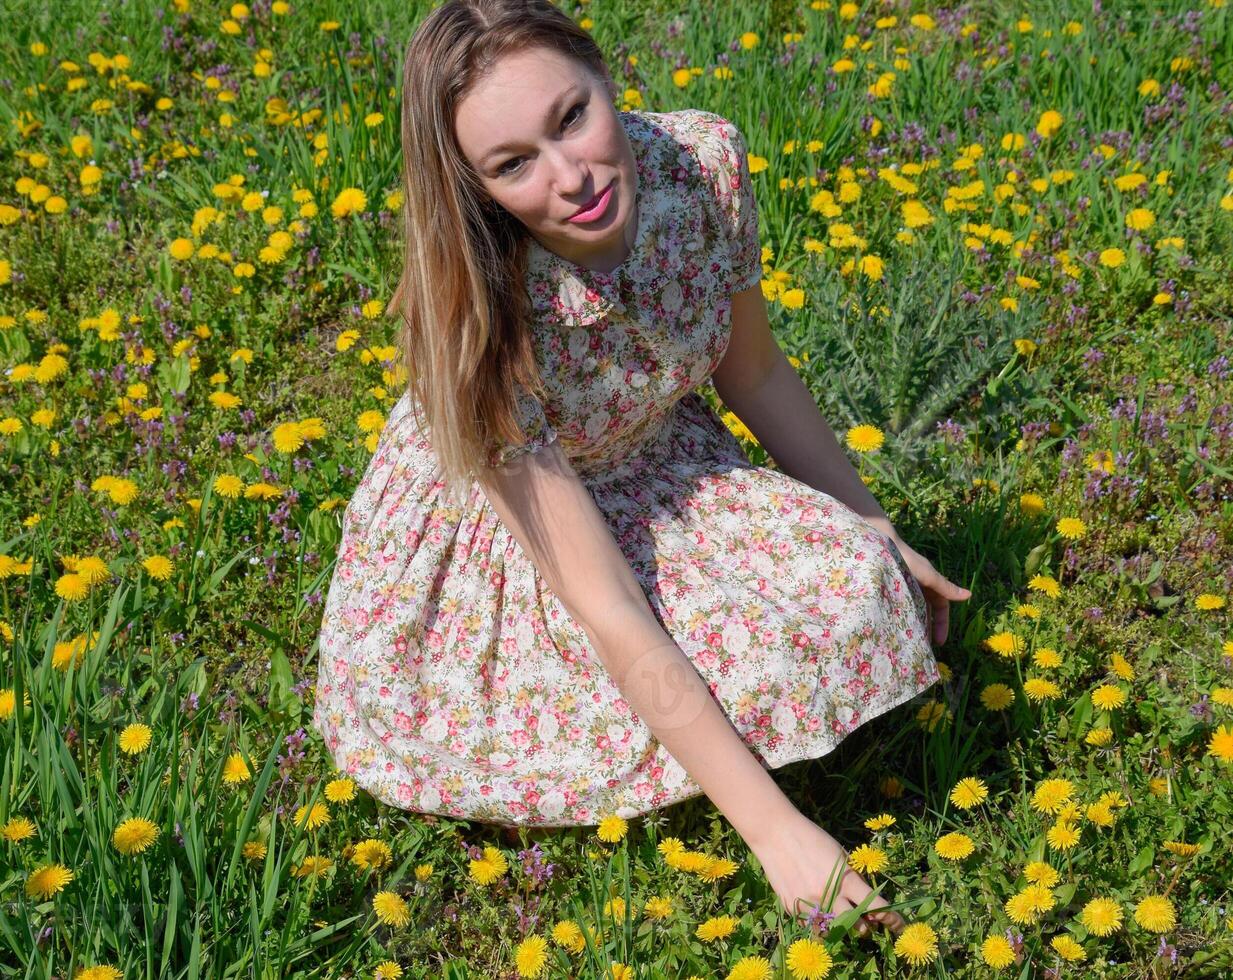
point(549, 116)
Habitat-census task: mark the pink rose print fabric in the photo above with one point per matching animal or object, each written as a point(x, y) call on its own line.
point(452, 681)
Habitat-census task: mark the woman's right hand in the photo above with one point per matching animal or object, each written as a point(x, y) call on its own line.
point(803, 863)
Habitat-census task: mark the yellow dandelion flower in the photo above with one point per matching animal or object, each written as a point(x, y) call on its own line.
point(318, 815)
point(1071, 528)
point(235, 769)
point(880, 822)
point(918, 944)
point(968, 793)
point(1020, 909)
point(1120, 666)
point(567, 935)
point(1041, 689)
point(612, 829)
point(314, 865)
point(867, 859)
point(1221, 744)
point(391, 909)
point(1068, 949)
point(716, 927)
point(287, 437)
point(1101, 916)
point(158, 567)
point(717, 868)
point(229, 486)
point(1156, 913)
point(254, 850)
point(531, 956)
point(372, 853)
point(340, 790)
point(1208, 601)
point(1047, 658)
point(1051, 794)
point(808, 959)
point(954, 846)
point(1031, 503)
point(47, 880)
point(751, 968)
point(865, 438)
point(1062, 836)
point(8, 700)
point(997, 952)
point(1041, 873)
point(135, 738)
point(1107, 697)
point(997, 697)
point(350, 200)
point(657, 907)
point(134, 835)
point(99, 972)
point(1046, 584)
point(1006, 644)
point(72, 587)
point(1039, 898)
point(17, 830)
point(490, 867)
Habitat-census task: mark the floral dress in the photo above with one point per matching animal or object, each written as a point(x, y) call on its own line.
point(452, 681)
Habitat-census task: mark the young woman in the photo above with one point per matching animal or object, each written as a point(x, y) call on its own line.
point(563, 591)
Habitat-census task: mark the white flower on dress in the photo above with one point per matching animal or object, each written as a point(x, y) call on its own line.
point(430, 798)
point(597, 424)
point(436, 728)
point(671, 297)
point(736, 638)
point(783, 719)
point(552, 804)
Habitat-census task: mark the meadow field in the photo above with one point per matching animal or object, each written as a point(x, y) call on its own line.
point(997, 246)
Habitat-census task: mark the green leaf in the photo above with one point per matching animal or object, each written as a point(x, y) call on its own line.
point(1081, 715)
point(1032, 564)
point(281, 680)
point(1143, 860)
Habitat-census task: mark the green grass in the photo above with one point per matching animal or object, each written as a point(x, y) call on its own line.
point(218, 658)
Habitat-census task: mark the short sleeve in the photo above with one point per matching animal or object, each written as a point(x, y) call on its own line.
point(529, 414)
point(721, 150)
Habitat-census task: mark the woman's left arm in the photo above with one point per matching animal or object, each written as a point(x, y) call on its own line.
point(763, 389)
point(758, 383)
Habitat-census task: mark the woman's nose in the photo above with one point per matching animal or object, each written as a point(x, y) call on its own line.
point(571, 176)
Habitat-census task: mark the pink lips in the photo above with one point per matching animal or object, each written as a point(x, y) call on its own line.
point(596, 208)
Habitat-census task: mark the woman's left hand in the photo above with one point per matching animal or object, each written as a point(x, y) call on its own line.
point(939, 591)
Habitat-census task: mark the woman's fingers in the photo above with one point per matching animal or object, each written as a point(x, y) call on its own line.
point(856, 890)
point(879, 912)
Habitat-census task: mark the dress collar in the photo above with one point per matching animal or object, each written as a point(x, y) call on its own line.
point(566, 292)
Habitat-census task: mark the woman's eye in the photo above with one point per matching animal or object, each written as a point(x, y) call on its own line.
point(505, 168)
point(580, 106)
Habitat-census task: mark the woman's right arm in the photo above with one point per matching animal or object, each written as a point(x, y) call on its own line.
point(553, 517)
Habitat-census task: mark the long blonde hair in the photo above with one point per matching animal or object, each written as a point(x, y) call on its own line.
point(465, 333)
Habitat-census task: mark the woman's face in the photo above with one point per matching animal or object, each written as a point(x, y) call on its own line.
point(542, 134)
